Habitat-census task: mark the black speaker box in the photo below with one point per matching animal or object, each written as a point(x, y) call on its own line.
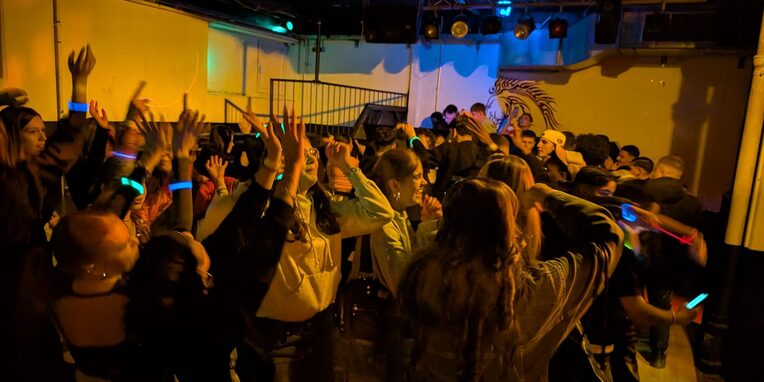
point(390, 25)
point(606, 29)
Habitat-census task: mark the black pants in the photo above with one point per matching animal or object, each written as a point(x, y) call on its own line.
point(289, 351)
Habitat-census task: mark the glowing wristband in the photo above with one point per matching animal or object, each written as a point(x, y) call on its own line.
point(78, 107)
point(411, 141)
point(124, 156)
point(187, 185)
point(131, 183)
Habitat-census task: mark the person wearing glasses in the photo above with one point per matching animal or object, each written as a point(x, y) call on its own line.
point(293, 327)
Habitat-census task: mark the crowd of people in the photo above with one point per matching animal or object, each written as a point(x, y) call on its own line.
point(465, 252)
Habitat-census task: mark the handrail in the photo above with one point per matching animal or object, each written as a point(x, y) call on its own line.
point(326, 106)
point(339, 85)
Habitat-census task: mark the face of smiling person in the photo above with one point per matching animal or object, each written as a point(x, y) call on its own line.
point(411, 189)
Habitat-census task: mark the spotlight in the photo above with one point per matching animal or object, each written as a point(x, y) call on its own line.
point(524, 27)
point(490, 25)
point(460, 27)
point(431, 29)
point(558, 28)
point(289, 25)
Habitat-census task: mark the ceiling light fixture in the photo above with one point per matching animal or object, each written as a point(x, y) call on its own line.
point(490, 25)
point(431, 29)
point(524, 28)
point(460, 28)
point(558, 28)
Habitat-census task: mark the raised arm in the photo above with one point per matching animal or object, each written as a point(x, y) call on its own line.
point(595, 248)
point(249, 271)
point(370, 210)
point(64, 146)
point(190, 127)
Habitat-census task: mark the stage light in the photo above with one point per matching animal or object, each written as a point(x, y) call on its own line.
point(431, 29)
point(558, 28)
point(460, 27)
point(490, 25)
point(289, 25)
point(524, 28)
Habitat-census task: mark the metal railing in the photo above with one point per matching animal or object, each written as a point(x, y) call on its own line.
point(328, 107)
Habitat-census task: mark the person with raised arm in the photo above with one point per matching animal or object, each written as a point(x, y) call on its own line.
point(294, 326)
point(31, 167)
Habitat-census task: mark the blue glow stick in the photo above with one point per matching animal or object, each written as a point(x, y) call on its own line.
point(696, 300)
point(181, 186)
point(280, 176)
point(131, 183)
point(124, 156)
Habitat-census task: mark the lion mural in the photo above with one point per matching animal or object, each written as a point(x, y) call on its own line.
point(507, 94)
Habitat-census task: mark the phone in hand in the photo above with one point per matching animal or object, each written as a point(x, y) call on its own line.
point(697, 300)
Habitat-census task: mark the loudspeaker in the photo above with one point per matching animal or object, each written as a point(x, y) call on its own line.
point(606, 29)
point(390, 25)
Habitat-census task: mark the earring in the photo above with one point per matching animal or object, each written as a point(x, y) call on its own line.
point(103, 276)
point(397, 196)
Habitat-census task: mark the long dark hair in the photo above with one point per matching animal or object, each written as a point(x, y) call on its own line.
point(467, 279)
point(14, 118)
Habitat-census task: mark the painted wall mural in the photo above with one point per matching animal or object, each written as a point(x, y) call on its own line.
point(524, 97)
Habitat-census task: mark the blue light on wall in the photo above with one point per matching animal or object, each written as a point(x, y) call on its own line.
point(278, 29)
point(505, 12)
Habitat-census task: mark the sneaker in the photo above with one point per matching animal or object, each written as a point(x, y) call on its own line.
point(658, 360)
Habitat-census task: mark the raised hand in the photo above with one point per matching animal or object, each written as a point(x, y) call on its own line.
point(216, 168)
point(292, 139)
point(338, 154)
point(431, 208)
point(13, 97)
point(80, 68)
point(473, 127)
point(272, 144)
point(158, 136)
point(407, 129)
point(138, 106)
point(248, 120)
point(190, 127)
point(101, 119)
